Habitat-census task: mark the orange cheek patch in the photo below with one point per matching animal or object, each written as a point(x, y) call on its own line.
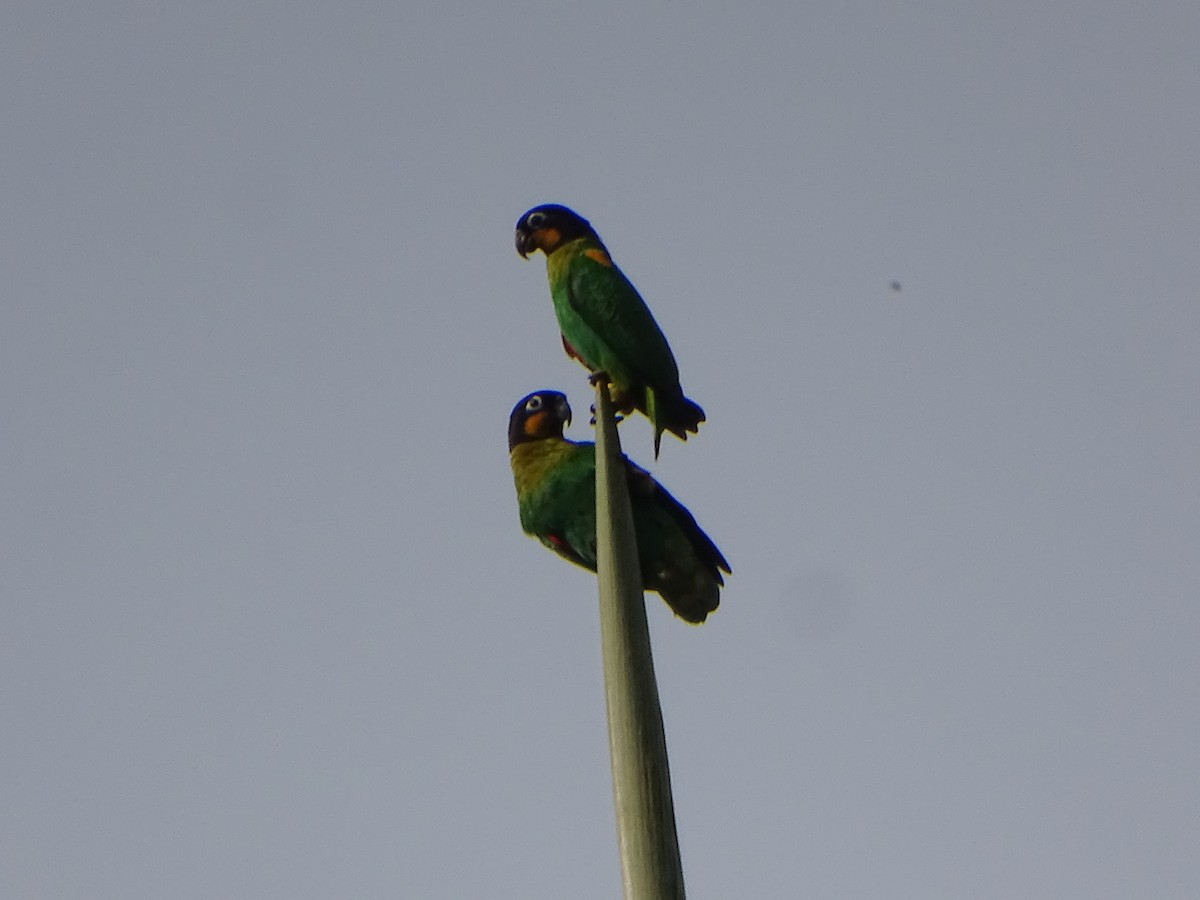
point(599, 256)
point(534, 424)
point(547, 238)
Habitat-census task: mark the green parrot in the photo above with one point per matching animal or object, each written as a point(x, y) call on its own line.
point(605, 324)
point(556, 496)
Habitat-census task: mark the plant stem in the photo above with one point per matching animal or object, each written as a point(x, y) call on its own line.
point(645, 813)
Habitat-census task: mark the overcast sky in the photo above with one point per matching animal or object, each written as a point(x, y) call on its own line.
point(270, 626)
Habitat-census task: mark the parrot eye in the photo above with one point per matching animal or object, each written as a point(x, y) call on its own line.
point(536, 220)
point(534, 404)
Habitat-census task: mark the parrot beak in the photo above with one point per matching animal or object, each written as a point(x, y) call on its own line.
point(564, 410)
point(525, 244)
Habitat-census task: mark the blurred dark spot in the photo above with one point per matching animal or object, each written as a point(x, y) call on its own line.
point(896, 286)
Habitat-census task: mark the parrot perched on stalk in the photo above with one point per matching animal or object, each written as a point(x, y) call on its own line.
point(556, 497)
point(605, 324)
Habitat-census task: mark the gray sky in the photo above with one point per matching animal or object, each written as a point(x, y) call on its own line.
point(270, 627)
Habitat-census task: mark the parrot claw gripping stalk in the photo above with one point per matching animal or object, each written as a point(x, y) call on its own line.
point(617, 417)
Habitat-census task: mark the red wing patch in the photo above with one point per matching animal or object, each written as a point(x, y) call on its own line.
point(562, 548)
point(572, 352)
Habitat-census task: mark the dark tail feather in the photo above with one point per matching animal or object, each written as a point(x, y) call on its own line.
point(689, 580)
point(676, 414)
point(691, 595)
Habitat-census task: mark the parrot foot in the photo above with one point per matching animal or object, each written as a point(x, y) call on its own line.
point(595, 378)
point(617, 417)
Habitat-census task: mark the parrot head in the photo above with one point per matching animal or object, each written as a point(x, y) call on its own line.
point(548, 226)
point(538, 416)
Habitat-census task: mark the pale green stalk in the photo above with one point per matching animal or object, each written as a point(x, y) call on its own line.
point(646, 838)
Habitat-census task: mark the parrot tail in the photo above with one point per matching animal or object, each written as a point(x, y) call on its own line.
point(674, 413)
point(692, 594)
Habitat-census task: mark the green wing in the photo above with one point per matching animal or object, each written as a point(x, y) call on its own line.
point(612, 308)
point(643, 489)
point(560, 510)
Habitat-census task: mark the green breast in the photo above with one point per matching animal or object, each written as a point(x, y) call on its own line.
point(596, 291)
point(555, 482)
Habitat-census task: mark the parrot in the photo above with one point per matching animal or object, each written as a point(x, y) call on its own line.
point(604, 322)
point(556, 497)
